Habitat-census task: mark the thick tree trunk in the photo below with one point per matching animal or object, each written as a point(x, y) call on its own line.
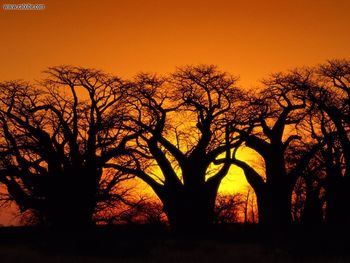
point(312, 213)
point(190, 209)
point(275, 199)
point(71, 214)
point(73, 202)
point(274, 206)
point(337, 198)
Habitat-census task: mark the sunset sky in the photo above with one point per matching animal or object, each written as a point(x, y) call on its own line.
point(247, 38)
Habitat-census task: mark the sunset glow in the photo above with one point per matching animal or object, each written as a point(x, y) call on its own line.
point(250, 39)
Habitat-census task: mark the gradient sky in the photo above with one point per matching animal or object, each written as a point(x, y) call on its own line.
point(244, 37)
point(247, 38)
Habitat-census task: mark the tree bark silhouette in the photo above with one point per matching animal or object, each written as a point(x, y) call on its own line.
point(54, 144)
point(183, 149)
point(329, 97)
point(268, 128)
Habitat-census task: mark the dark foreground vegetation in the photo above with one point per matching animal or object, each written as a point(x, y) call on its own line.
point(147, 243)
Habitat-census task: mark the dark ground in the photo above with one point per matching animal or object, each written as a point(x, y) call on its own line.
point(144, 243)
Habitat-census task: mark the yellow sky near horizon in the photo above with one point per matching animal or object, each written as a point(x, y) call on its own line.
point(249, 38)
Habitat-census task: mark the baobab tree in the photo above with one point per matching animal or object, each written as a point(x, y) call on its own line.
point(55, 139)
point(269, 127)
point(329, 100)
point(183, 121)
point(308, 196)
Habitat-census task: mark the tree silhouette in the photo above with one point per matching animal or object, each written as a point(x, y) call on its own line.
point(140, 211)
point(249, 207)
point(228, 208)
point(184, 121)
point(329, 99)
point(309, 194)
point(68, 143)
point(269, 127)
point(56, 139)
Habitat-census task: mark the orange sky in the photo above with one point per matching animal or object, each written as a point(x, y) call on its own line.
point(246, 38)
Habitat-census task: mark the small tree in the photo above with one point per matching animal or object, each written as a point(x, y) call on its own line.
point(228, 208)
